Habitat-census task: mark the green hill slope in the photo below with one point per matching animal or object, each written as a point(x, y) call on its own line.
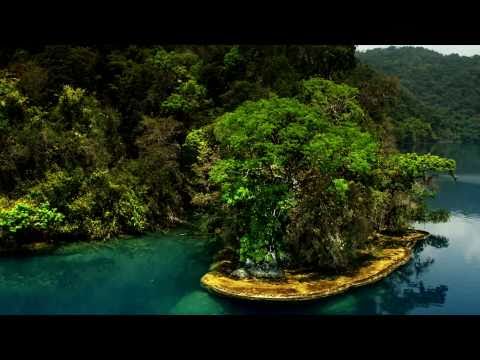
point(447, 87)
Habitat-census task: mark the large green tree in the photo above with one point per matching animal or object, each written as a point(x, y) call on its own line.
point(301, 178)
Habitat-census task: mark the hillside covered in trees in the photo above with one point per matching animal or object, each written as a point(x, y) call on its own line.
point(286, 153)
point(442, 90)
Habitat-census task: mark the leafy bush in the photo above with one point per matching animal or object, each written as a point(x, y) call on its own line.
point(106, 206)
point(25, 221)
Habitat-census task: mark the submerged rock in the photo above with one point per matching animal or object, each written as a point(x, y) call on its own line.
point(348, 304)
point(197, 303)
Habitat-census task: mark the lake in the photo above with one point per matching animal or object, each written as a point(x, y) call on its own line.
point(160, 273)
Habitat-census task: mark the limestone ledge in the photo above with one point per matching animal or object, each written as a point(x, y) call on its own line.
point(396, 251)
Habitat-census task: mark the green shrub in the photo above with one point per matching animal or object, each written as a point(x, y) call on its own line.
point(106, 206)
point(25, 219)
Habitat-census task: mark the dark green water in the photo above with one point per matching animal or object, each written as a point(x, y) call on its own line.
point(159, 274)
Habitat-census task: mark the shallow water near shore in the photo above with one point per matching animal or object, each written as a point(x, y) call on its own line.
point(160, 273)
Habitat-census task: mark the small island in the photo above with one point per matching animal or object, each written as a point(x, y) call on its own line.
point(304, 286)
point(306, 197)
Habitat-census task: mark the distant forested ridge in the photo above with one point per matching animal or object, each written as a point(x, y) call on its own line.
point(442, 91)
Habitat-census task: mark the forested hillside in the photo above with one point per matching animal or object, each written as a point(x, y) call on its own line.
point(448, 87)
point(290, 148)
point(98, 133)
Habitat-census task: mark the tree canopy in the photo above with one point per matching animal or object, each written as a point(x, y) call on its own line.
point(301, 178)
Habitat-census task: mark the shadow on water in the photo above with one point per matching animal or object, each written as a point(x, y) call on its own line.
point(405, 290)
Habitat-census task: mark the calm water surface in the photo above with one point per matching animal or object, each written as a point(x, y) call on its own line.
point(159, 274)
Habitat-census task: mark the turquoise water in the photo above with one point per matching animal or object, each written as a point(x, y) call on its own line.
point(159, 274)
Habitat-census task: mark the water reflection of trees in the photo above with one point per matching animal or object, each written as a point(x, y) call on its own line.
point(404, 290)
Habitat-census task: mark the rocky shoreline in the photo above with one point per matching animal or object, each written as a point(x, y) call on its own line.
point(302, 286)
point(36, 248)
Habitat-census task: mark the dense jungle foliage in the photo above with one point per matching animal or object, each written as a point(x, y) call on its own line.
point(441, 90)
point(286, 154)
